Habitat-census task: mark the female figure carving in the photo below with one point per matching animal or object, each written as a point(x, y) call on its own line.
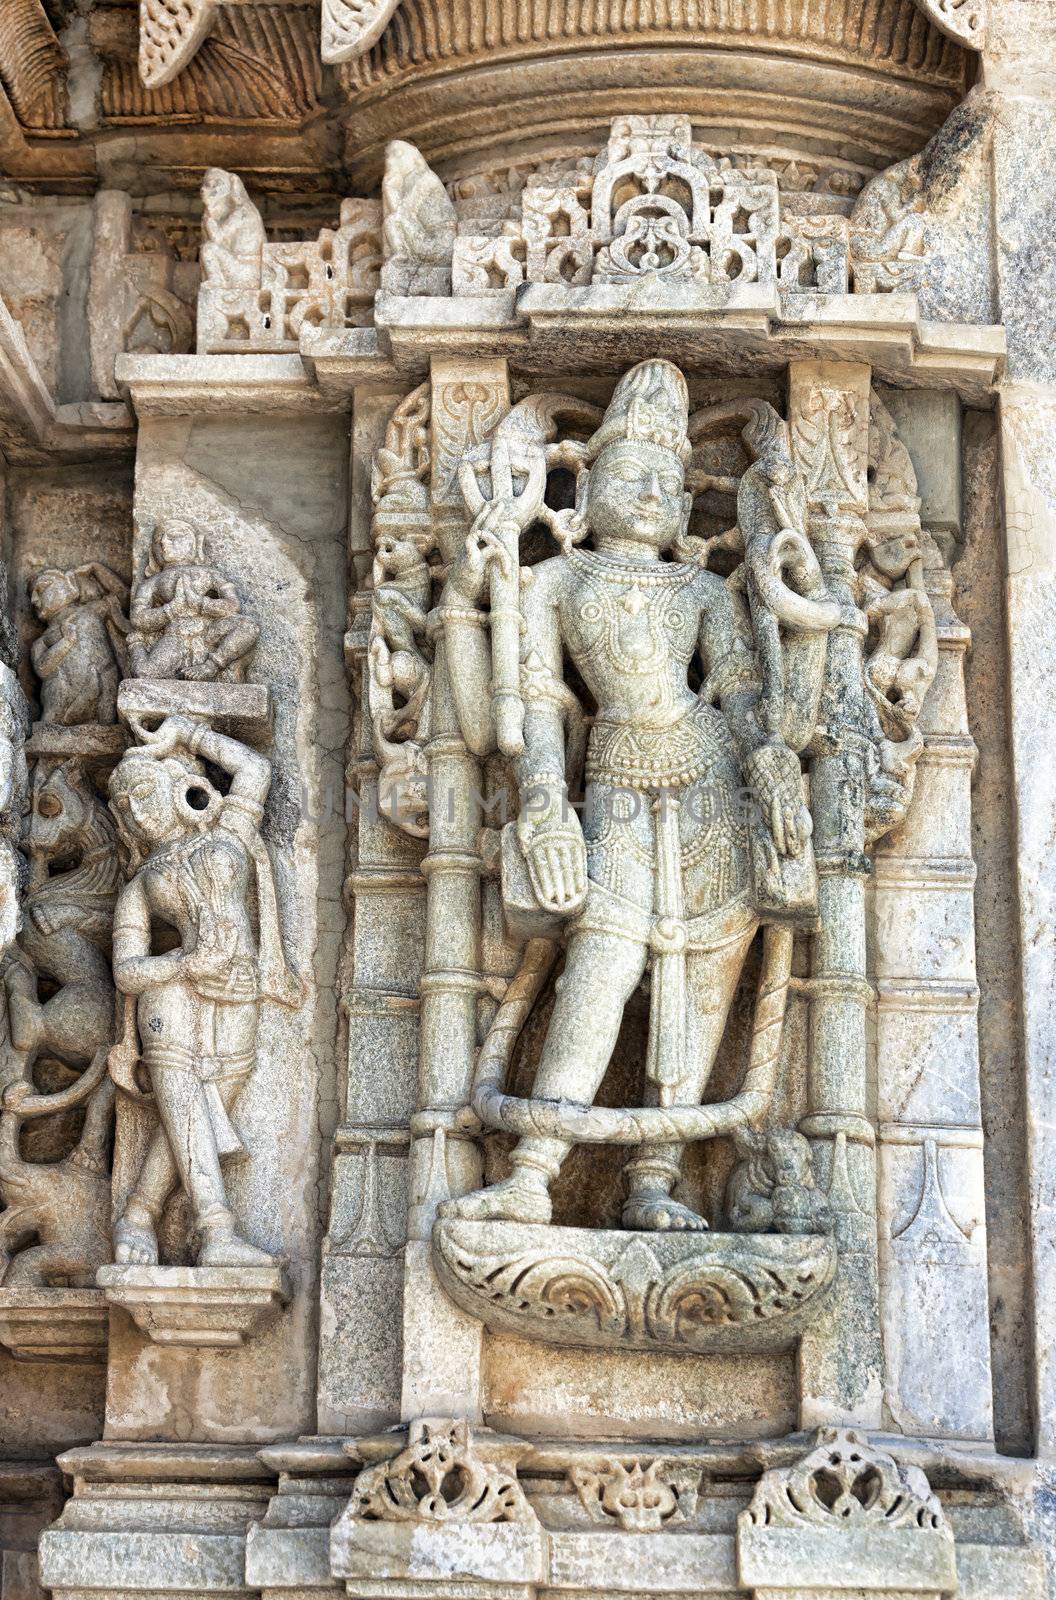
point(198, 860)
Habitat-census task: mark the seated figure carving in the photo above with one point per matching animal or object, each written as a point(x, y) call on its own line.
point(186, 618)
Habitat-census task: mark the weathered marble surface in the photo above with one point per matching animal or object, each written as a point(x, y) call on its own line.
point(419, 1177)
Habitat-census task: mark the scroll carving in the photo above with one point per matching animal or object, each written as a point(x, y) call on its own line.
point(678, 1293)
point(439, 1477)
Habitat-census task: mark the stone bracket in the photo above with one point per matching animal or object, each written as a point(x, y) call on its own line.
point(216, 1308)
point(67, 1325)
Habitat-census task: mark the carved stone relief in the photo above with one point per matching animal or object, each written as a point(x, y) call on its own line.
point(195, 858)
point(440, 1476)
point(256, 295)
point(58, 990)
point(186, 620)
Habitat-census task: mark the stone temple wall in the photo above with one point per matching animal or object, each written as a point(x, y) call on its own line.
point(527, 894)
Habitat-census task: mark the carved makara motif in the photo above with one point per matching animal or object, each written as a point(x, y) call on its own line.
point(639, 1497)
point(846, 1480)
point(196, 861)
point(441, 1476)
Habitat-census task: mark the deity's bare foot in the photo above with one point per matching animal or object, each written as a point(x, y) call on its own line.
point(654, 1211)
point(223, 1247)
point(135, 1242)
point(515, 1199)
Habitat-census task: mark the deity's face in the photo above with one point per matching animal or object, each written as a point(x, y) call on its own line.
point(176, 544)
point(637, 494)
point(52, 593)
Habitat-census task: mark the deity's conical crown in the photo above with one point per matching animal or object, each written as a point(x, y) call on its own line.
point(650, 403)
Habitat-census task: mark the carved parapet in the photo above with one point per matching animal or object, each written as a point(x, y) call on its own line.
point(609, 1290)
point(215, 1308)
point(67, 1325)
point(852, 1512)
point(256, 296)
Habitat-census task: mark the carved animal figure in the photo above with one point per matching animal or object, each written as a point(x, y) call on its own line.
point(418, 224)
point(80, 657)
point(888, 230)
point(65, 1205)
point(66, 921)
point(772, 1190)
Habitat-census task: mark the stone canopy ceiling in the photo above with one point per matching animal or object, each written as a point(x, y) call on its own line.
point(302, 97)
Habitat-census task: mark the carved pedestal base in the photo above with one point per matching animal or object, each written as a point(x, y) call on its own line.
point(211, 1307)
point(686, 1293)
point(54, 1324)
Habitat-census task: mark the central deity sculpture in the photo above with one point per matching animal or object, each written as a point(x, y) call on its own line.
point(692, 796)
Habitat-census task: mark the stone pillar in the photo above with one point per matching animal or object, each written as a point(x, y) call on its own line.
point(360, 1336)
point(931, 1201)
point(1017, 70)
point(840, 1360)
point(442, 1345)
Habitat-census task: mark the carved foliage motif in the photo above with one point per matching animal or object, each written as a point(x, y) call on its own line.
point(636, 1496)
point(845, 1481)
point(581, 1288)
point(440, 1477)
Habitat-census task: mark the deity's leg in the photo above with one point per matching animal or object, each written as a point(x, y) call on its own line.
point(135, 1233)
point(711, 982)
point(602, 970)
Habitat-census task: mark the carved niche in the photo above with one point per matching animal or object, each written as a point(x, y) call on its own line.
point(651, 877)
